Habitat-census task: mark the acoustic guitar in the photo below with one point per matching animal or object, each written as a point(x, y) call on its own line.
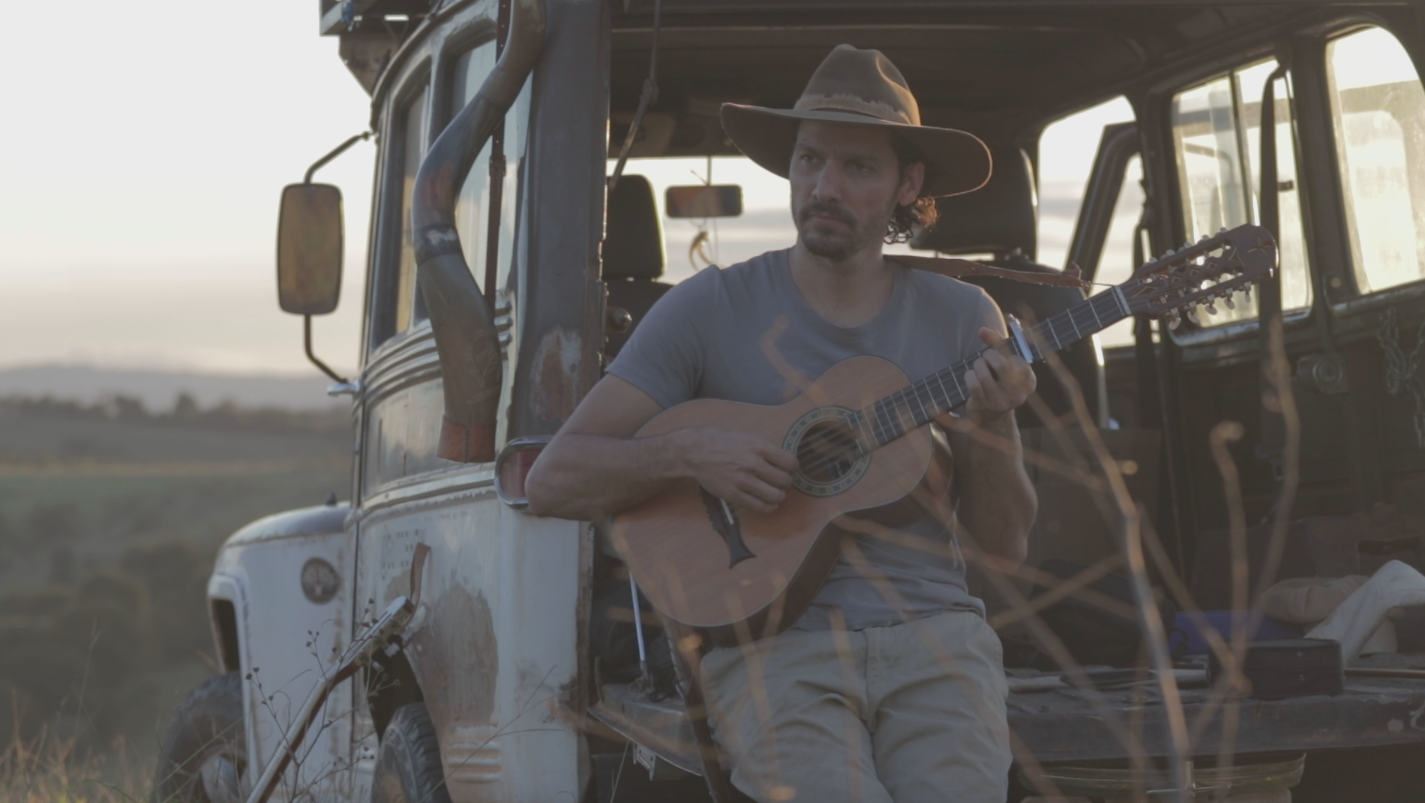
point(861, 433)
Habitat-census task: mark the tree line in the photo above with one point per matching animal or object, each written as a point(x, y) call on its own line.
point(186, 411)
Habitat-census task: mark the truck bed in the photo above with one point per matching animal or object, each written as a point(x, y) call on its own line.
point(1064, 724)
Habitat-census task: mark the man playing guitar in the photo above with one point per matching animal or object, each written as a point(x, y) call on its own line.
point(890, 686)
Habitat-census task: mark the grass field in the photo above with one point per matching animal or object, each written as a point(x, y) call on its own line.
point(109, 521)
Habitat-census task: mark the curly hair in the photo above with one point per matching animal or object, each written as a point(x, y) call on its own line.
point(922, 214)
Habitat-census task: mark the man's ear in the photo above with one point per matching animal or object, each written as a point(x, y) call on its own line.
point(912, 179)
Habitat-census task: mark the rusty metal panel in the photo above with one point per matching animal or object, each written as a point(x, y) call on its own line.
point(495, 640)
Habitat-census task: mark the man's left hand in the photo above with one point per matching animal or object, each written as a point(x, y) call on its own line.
point(997, 384)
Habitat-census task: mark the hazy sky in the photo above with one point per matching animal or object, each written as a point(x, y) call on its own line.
point(145, 153)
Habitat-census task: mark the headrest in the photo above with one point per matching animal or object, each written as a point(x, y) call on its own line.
point(996, 219)
point(633, 239)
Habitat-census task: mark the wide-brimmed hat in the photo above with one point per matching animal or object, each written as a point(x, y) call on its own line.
point(865, 88)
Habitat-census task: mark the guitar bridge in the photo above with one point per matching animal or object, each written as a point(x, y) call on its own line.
point(724, 521)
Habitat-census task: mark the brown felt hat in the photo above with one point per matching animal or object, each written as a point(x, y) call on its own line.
point(865, 88)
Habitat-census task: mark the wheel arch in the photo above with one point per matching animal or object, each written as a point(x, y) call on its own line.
point(390, 684)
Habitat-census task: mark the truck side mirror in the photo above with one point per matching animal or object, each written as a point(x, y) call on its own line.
point(309, 244)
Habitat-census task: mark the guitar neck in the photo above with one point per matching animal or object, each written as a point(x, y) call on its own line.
point(945, 390)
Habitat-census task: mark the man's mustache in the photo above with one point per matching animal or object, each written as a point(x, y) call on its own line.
point(827, 210)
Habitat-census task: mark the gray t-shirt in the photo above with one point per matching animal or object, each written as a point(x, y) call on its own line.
point(717, 335)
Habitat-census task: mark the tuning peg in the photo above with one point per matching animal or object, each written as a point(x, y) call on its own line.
point(1173, 320)
point(1211, 308)
point(1227, 302)
point(1246, 294)
point(1191, 314)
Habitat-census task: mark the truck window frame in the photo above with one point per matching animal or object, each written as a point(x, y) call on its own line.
point(1171, 197)
point(1347, 298)
point(475, 35)
point(388, 223)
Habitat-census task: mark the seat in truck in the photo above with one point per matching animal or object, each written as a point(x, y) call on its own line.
point(1000, 220)
point(633, 253)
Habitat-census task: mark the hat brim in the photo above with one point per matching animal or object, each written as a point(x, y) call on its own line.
point(956, 162)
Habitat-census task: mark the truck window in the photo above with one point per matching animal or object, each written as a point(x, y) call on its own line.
point(410, 149)
point(473, 202)
point(1066, 156)
point(1115, 265)
point(1217, 139)
point(1378, 108)
point(693, 244)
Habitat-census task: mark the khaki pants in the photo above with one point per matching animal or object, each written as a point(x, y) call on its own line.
point(913, 713)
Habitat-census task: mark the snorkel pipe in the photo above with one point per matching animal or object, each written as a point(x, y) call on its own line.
point(465, 336)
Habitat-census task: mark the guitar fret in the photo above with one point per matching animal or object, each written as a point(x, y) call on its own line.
point(945, 405)
point(924, 416)
point(1054, 332)
point(883, 424)
point(959, 385)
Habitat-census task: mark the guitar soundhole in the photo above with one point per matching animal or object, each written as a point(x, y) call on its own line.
point(827, 452)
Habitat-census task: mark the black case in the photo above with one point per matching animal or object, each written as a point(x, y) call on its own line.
point(1284, 668)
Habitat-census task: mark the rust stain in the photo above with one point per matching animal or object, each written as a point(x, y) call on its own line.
point(557, 384)
point(459, 660)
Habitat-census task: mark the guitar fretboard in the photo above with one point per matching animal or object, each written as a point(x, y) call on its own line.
point(943, 391)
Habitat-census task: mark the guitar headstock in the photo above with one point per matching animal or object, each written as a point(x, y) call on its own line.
point(1213, 268)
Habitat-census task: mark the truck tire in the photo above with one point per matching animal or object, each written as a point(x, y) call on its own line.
point(204, 753)
point(408, 767)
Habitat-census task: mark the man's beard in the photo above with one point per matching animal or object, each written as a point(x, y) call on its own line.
point(836, 245)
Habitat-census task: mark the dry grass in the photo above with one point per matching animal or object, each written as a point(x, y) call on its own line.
point(49, 769)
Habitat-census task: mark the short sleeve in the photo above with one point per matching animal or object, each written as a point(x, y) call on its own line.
point(991, 316)
point(665, 355)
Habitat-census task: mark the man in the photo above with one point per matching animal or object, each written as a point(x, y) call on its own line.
point(891, 685)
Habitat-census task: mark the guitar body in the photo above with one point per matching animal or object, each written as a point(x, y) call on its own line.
point(707, 566)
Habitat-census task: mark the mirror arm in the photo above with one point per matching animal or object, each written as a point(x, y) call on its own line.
point(465, 336)
point(335, 152)
point(307, 342)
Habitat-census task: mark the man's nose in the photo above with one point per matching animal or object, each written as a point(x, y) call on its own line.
point(828, 184)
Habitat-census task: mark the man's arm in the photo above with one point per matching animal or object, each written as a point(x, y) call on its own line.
point(997, 500)
point(594, 466)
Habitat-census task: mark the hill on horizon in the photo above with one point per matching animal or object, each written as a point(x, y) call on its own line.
point(158, 388)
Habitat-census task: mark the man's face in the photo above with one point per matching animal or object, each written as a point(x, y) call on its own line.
point(846, 182)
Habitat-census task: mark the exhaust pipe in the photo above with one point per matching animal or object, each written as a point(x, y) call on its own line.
point(465, 336)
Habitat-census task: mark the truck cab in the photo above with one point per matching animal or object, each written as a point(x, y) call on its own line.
point(504, 120)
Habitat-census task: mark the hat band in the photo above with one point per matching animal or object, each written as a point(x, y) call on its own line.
point(855, 105)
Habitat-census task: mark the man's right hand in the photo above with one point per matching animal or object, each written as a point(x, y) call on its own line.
point(744, 470)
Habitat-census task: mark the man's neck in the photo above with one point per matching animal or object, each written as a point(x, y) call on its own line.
point(847, 293)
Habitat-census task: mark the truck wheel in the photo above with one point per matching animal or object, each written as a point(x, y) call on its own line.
point(408, 768)
point(204, 753)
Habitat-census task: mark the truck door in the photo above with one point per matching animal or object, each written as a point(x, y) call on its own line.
point(1351, 210)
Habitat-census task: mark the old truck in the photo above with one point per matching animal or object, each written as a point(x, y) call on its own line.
point(503, 271)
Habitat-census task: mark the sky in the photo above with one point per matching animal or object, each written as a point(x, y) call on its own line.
point(144, 163)
point(146, 157)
